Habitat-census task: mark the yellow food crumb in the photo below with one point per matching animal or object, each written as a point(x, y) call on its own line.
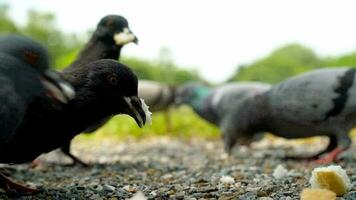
point(333, 178)
point(317, 194)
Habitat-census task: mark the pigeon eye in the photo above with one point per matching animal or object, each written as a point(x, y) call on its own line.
point(113, 80)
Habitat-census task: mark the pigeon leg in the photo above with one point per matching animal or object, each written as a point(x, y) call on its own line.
point(10, 186)
point(330, 157)
point(344, 141)
point(331, 146)
point(66, 150)
point(36, 163)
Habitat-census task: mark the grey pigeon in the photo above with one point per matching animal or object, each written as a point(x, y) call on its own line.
point(317, 103)
point(217, 105)
point(158, 96)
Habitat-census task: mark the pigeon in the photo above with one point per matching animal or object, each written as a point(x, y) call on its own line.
point(317, 103)
point(217, 105)
point(157, 96)
point(24, 77)
point(111, 34)
point(103, 88)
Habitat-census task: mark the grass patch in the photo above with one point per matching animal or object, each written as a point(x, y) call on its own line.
point(184, 124)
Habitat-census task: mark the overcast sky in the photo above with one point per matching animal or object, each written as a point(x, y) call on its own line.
point(213, 36)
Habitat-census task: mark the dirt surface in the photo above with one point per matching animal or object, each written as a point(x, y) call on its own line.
point(174, 169)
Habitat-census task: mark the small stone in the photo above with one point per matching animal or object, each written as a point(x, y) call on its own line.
point(280, 172)
point(138, 196)
point(225, 198)
point(98, 187)
point(265, 198)
point(109, 188)
point(167, 176)
point(153, 193)
point(227, 180)
point(130, 189)
point(350, 195)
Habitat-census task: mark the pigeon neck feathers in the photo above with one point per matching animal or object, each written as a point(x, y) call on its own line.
point(200, 94)
point(201, 102)
point(96, 49)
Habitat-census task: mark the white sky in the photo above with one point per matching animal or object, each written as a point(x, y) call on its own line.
point(213, 36)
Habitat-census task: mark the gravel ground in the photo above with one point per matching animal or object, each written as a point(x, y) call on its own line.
point(165, 168)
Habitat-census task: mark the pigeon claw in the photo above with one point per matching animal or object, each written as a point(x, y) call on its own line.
point(10, 186)
point(330, 157)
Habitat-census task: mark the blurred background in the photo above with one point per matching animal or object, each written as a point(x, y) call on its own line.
point(202, 41)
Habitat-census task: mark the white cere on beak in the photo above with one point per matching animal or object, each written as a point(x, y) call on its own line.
point(124, 37)
point(68, 90)
point(147, 112)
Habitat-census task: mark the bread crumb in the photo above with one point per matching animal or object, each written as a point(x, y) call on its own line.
point(333, 178)
point(317, 194)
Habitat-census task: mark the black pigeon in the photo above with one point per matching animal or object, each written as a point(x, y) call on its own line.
point(111, 34)
point(103, 88)
point(157, 96)
point(24, 77)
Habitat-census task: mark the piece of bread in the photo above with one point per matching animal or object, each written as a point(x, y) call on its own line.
point(333, 178)
point(317, 194)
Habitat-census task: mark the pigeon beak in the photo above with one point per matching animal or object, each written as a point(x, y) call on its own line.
point(56, 87)
point(125, 37)
point(135, 40)
point(138, 110)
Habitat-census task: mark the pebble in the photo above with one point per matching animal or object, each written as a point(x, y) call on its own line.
point(265, 198)
point(227, 180)
point(109, 188)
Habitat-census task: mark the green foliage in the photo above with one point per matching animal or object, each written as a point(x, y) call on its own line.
point(286, 61)
point(344, 60)
point(185, 124)
point(42, 27)
point(155, 71)
point(6, 24)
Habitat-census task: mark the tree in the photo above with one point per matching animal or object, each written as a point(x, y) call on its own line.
point(286, 61)
point(6, 24)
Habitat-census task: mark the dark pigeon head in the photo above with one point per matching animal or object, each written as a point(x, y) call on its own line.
point(26, 50)
point(190, 93)
point(34, 55)
point(112, 84)
point(115, 29)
